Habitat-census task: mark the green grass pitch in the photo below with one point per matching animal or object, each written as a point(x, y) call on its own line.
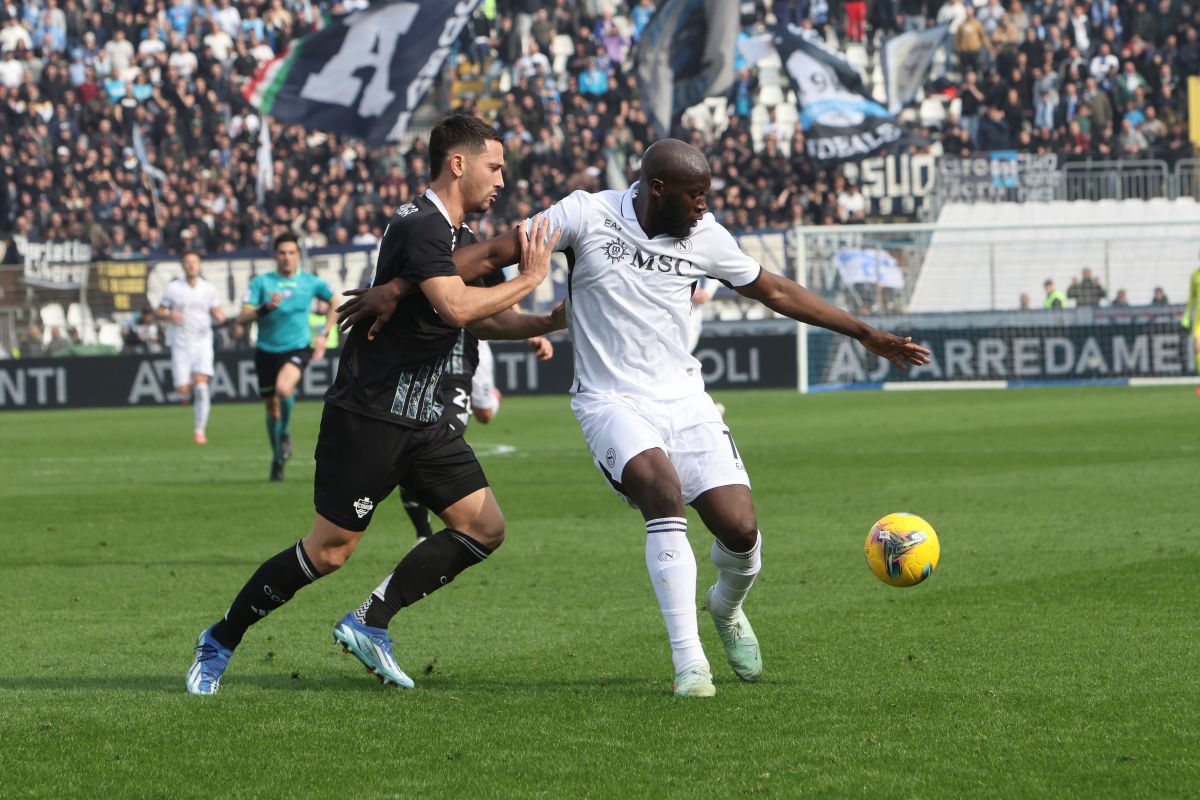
point(1053, 653)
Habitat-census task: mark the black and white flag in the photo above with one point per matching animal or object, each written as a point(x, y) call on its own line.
point(840, 122)
point(685, 54)
point(905, 60)
point(365, 72)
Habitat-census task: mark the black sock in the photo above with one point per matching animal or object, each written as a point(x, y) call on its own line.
point(431, 564)
point(418, 514)
point(279, 577)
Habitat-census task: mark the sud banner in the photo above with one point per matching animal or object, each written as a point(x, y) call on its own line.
point(365, 72)
point(840, 122)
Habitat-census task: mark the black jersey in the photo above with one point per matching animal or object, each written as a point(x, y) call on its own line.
point(463, 361)
point(397, 376)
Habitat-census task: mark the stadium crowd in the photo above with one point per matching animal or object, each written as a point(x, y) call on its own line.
point(80, 79)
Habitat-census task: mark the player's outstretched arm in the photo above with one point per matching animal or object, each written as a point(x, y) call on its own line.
point(511, 324)
point(792, 300)
point(476, 260)
point(460, 305)
point(379, 302)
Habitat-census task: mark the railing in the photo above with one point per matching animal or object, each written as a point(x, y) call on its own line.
point(1117, 180)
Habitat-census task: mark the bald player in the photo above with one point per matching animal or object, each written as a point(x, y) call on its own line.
point(635, 258)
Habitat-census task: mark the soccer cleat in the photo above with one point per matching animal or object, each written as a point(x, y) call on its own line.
point(200, 438)
point(741, 645)
point(276, 470)
point(285, 446)
point(694, 681)
point(204, 676)
point(373, 648)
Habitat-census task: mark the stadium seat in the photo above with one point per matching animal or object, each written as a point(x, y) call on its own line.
point(856, 54)
point(770, 96)
point(933, 112)
point(52, 314)
point(109, 333)
point(79, 317)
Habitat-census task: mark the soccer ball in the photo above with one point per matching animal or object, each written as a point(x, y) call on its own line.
point(902, 549)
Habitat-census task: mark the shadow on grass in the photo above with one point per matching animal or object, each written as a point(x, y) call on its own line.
point(356, 684)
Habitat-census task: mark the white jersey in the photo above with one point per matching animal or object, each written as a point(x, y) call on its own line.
point(629, 296)
point(196, 304)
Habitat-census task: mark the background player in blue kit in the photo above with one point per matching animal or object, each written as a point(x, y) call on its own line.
point(280, 303)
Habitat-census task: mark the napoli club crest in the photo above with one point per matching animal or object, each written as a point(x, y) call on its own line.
point(683, 246)
point(611, 458)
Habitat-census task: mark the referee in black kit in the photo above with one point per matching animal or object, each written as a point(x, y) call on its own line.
point(384, 423)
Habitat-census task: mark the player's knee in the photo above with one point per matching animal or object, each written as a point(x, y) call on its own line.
point(489, 532)
point(739, 533)
point(330, 559)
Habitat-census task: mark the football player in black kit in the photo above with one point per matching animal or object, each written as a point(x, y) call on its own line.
point(384, 421)
point(461, 388)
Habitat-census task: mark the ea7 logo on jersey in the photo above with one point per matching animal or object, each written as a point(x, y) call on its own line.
point(363, 506)
point(608, 223)
point(406, 209)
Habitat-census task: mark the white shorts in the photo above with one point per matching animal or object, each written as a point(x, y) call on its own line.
point(690, 431)
point(189, 360)
point(482, 383)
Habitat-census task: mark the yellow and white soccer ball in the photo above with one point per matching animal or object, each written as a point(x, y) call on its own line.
point(902, 549)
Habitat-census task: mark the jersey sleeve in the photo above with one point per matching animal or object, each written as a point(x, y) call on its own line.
point(429, 253)
point(321, 289)
point(167, 300)
point(255, 293)
point(727, 263)
point(568, 215)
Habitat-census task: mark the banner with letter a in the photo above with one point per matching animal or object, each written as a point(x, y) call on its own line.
point(364, 73)
point(685, 55)
point(905, 60)
point(840, 122)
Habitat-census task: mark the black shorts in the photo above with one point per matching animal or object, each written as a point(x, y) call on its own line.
point(267, 366)
point(361, 459)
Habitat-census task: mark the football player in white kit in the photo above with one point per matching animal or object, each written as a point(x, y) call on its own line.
point(633, 260)
point(191, 305)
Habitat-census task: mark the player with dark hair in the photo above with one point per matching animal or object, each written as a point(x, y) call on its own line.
point(654, 433)
point(279, 302)
point(385, 424)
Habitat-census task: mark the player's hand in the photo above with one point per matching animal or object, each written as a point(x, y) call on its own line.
point(275, 301)
point(701, 296)
point(176, 317)
point(900, 351)
point(319, 348)
point(558, 317)
point(542, 348)
point(537, 245)
point(377, 303)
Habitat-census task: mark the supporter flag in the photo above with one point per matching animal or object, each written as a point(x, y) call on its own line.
point(264, 179)
point(139, 151)
point(364, 72)
point(840, 122)
point(685, 54)
point(905, 60)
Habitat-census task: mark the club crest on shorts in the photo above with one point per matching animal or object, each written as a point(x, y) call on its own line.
point(611, 458)
point(363, 506)
point(668, 555)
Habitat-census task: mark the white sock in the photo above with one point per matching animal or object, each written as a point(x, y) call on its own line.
point(672, 568)
point(735, 576)
point(201, 403)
